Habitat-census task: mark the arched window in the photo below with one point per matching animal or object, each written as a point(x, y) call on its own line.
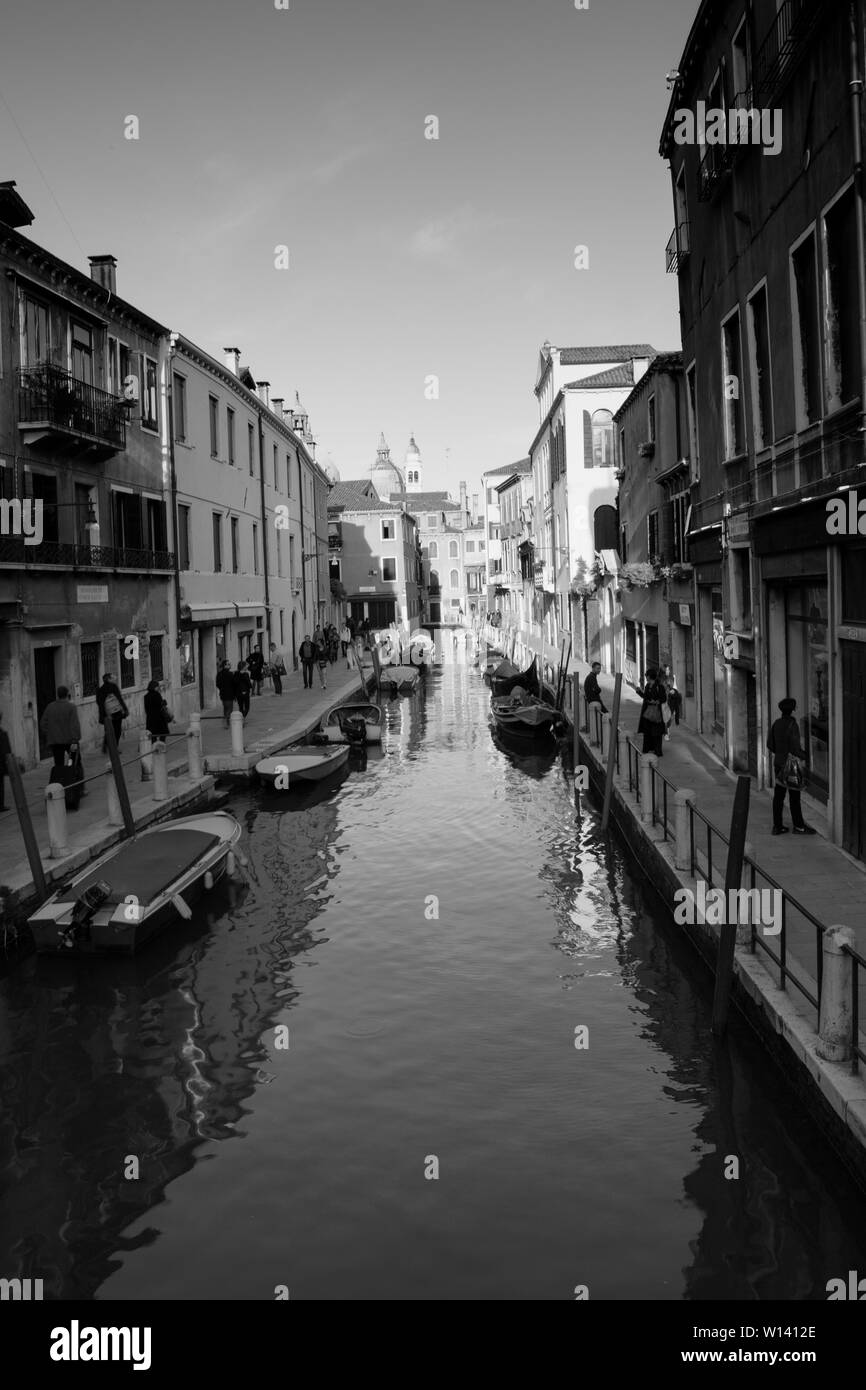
point(605, 534)
point(434, 579)
point(434, 551)
point(455, 580)
point(453, 550)
point(602, 439)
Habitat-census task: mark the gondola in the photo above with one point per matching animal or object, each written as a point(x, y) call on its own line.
point(523, 715)
point(353, 723)
point(138, 888)
point(503, 682)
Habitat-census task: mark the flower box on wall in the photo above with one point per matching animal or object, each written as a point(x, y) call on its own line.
point(646, 451)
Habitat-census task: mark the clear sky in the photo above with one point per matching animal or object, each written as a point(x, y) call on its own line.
point(407, 256)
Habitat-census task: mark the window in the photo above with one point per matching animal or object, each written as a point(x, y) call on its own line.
point(807, 357)
point(434, 551)
point(432, 521)
point(288, 475)
point(453, 550)
point(679, 511)
point(91, 656)
point(622, 448)
point(602, 439)
point(651, 420)
point(187, 658)
point(335, 570)
point(126, 665)
point(843, 344)
point(682, 212)
point(35, 332)
point(178, 402)
point(43, 486)
point(741, 75)
point(157, 673)
point(691, 406)
point(251, 446)
point(630, 640)
point(491, 497)
point(470, 547)
point(236, 549)
point(282, 626)
point(389, 570)
point(481, 545)
point(217, 542)
point(149, 402)
point(732, 386)
point(183, 537)
point(652, 533)
point(388, 530)
point(759, 367)
point(214, 408)
point(156, 537)
point(454, 580)
point(82, 353)
point(623, 545)
point(127, 520)
point(494, 531)
point(278, 546)
point(255, 548)
point(276, 466)
point(230, 434)
point(434, 584)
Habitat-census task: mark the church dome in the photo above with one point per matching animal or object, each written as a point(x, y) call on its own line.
point(386, 477)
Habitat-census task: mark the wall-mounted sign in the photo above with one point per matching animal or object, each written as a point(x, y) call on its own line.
point(369, 589)
point(92, 593)
point(685, 615)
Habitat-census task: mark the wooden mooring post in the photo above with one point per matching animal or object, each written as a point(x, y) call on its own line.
point(27, 832)
point(728, 930)
point(119, 779)
point(613, 735)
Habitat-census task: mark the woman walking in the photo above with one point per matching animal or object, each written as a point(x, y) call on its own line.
point(243, 687)
point(345, 639)
point(111, 705)
point(322, 663)
point(652, 720)
point(156, 715)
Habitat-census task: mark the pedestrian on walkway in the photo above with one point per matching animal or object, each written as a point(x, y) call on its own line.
point(156, 713)
point(256, 669)
point(652, 721)
point(675, 699)
point(225, 684)
point(788, 769)
point(111, 705)
point(307, 654)
point(322, 663)
point(5, 752)
point(278, 669)
point(345, 639)
point(333, 644)
point(592, 689)
point(242, 688)
point(60, 727)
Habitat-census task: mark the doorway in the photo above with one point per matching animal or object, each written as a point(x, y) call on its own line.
point(45, 669)
point(853, 747)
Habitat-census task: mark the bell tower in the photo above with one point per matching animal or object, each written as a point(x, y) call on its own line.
point(413, 470)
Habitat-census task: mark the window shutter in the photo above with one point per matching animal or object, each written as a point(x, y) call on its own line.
point(587, 440)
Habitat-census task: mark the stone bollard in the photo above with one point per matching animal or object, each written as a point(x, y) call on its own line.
point(144, 747)
point(160, 772)
point(237, 726)
point(835, 1018)
point(593, 713)
point(55, 808)
point(605, 735)
point(683, 848)
point(647, 762)
point(193, 747)
point(115, 815)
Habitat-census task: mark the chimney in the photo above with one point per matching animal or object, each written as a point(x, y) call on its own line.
point(233, 360)
point(462, 501)
point(277, 405)
point(102, 270)
point(475, 506)
point(263, 389)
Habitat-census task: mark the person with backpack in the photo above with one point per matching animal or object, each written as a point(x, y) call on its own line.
point(225, 684)
point(652, 720)
point(242, 688)
point(307, 653)
point(111, 705)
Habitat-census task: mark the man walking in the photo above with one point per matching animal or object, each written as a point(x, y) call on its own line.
point(256, 669)
point(787, 750)
point(111, 705)
point(225, 684)
point(243, 686)
point(60, 727)
point(278, 669)
point(307, 654)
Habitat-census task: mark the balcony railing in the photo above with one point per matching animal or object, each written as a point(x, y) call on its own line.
point(50, 398)
point(783, 46)
point(677, 248)
point(712, 169)
point(85, 557)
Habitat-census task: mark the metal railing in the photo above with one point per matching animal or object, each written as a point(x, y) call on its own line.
point(14, 551)
point(783, 45)
point(677, 248)
point(48, 395)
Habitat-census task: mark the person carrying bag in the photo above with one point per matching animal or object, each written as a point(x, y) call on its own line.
point(789, 770)
point(652, 721)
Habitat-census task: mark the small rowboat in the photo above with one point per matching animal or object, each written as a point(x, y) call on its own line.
point(400, 678)
point(138, 887)
point(524, 715)
point(502, 682)
point(359, 723)
point(306, 762)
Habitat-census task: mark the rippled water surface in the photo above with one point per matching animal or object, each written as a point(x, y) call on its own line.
point(410, 1038)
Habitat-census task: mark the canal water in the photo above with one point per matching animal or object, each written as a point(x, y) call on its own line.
point(430, 937)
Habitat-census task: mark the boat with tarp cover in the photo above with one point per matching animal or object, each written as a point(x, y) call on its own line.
point(353, 723)
point(138, 887)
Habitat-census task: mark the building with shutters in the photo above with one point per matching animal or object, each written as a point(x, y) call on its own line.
point(82, 402)
point(374, 556)
point(771, 270)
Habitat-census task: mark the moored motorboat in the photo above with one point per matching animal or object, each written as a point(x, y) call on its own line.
point(523, 714)
point(353, 723)
point(138, 887)
point(306, 762)
point(400, 678)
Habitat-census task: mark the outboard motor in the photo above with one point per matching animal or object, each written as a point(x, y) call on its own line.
point(83, 912)
point(354, 729)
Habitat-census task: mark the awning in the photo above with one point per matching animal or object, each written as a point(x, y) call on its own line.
point(249, 606)
point(210, 612)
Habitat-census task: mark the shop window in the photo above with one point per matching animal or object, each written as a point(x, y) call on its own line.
point(807, 356)
point(719, 668)
point(853, 583)
point(807, 673)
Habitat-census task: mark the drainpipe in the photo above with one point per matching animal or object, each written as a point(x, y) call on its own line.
point(856, 86)
point(173, 472)
point(264, 529)
point(301, 505)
